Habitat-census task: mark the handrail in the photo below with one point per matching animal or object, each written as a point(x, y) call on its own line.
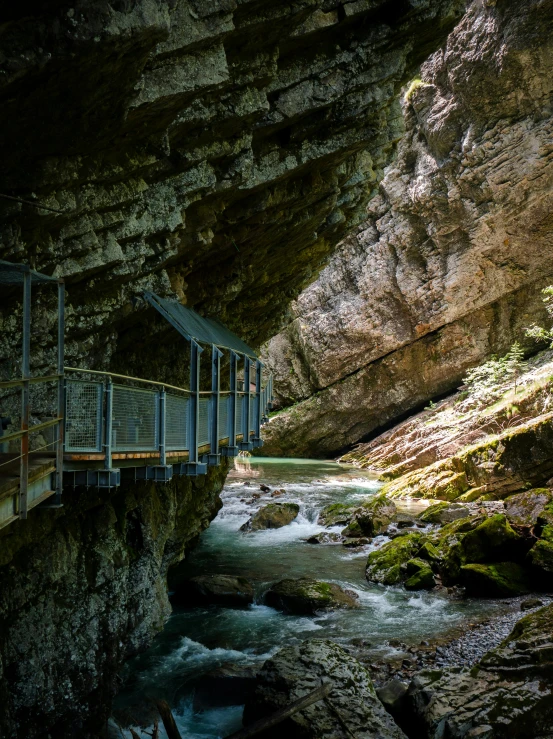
point(31, 381)
point(126, 377)
point(30, 430)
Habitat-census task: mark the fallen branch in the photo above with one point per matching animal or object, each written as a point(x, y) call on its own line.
point(168, 719)
point(283, 713)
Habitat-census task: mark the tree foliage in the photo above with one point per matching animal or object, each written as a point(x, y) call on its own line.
point(488, 380)
point(538, 332)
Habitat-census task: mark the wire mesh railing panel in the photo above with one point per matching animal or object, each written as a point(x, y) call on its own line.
point(83, 416)
point(135, 419)
point(176, 422)
point(252, 412)
point(224, 401)
point(239, 413)
point(203, 425)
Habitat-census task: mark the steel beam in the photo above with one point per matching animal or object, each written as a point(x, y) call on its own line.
point(25, 399)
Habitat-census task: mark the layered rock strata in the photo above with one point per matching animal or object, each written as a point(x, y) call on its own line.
point(82, 589)
point(211, 151)
point(447, 268)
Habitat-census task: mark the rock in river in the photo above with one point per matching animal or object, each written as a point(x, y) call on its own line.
point(272, 516)
point(500, 580)
point(509, 693)
point(223, 590)
point(352, 708)
point(308, 597)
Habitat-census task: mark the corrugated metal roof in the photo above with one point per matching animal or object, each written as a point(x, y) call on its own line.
point(193, 326)
point(12, 274)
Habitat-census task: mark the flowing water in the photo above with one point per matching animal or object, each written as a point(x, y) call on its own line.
point(197, 640)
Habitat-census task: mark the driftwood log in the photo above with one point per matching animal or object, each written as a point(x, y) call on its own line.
point(283, 713)
point(168, 720)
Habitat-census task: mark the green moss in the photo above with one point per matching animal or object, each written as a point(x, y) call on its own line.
point(419, 575)
point(489, 541)
point(336, 514)
point(384, 565)
point(541, 557)
point(500, 580)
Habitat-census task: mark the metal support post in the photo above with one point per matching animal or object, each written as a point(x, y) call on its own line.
point(232, 450)
point(214, 457)
point(61, 393)
point(257, 440)
point(246, 445)
point(194, 467)
point(162, 425)
point(25, 400)
point(108, 425)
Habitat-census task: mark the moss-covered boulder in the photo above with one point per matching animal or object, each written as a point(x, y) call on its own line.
point(498, 580)
point(541, 558)
point(384, 564)
point(419, 575)
point(444, 512)
point(336, 514)
point(429, 553)
point(372, 518)
point(308, 597)
point(272, 516)
point(524, 509)
point(493, 540)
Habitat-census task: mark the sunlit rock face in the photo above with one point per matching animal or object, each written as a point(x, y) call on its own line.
point(448, 265)
point(212, 150)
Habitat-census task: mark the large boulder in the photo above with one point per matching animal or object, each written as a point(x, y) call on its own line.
point(499, 580)
point(524, 509)
point(528, 650)
point(308, 597)
point(508, 694)
point(352, 708)
point(541, 558)
point(477, 540)
point(272, 516)
point(384, 565)
point(372, 518)
point(419, 575)
point(223, 590)
point(444, 512)
point(336, 514)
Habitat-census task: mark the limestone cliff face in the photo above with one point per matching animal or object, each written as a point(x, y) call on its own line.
point(212, 150)
point(83, 588)
point(458, 242)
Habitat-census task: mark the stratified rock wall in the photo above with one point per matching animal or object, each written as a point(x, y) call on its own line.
point(82, 589)
point(448, 267)
point(212, 150)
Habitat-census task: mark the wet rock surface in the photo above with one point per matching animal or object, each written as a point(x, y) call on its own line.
point(223, 590)
point(83, 589)
point(272, 516)
point(351, 709)
point(309, 597)
point(508, 693)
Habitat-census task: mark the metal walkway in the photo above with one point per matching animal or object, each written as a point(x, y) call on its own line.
point(109, 427)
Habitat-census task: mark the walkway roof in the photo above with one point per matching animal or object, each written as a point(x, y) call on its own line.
point(193, 326)
point(12, 274)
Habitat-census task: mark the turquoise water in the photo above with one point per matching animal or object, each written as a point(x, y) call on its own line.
point(196, 640)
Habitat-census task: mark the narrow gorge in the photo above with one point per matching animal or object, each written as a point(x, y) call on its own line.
point(240, 239)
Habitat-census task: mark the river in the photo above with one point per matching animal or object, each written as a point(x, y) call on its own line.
point(196, 640)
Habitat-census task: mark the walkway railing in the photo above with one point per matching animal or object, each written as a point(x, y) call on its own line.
point(109, 417)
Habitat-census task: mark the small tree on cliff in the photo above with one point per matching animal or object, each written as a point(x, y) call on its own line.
point(537, 332)
point(485, 382)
